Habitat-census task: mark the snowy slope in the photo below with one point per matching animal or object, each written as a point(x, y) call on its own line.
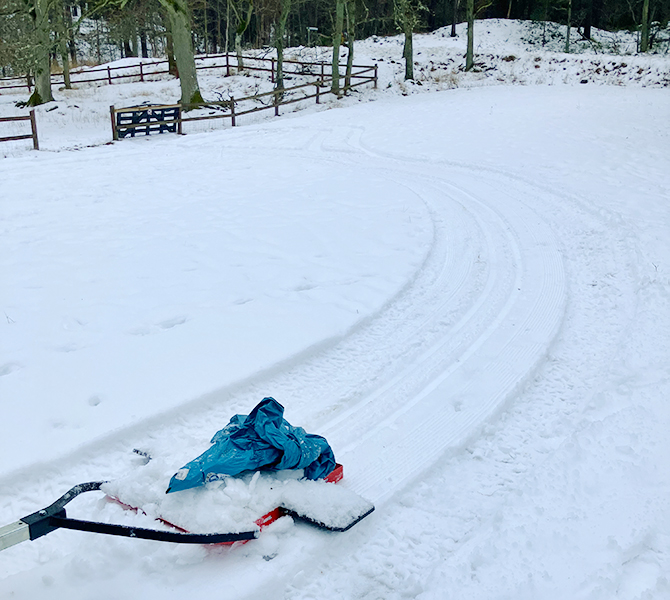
point(506, 53)
point(466, 291)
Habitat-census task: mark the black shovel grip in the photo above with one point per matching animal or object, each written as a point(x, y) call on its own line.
point(54, 517)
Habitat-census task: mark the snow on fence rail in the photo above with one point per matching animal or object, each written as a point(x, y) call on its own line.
point(147, 70)
point(33, 127)
point(133, 120)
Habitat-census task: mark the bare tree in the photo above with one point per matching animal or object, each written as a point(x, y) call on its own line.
point(454, 16)
point(644, 29)
point(280, 32)
point(42, 56)
point(179, 16)
point(470, 52)
point(568, 27)
point(407, 16)
point(337, 42)
point(243, 16)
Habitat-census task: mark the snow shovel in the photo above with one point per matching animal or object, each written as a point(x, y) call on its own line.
point(260, 441)
point(328, 507)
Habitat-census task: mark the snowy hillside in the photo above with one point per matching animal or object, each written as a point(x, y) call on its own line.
point(466, 291)
point(506, 53)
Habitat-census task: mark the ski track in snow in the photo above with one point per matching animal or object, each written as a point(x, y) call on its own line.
point(489, 300)
point(468, 497)
point(432, 369)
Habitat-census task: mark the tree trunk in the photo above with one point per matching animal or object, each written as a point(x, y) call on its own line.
point(62, 46)
point(42, 92)
point(204, 18)
point(228, 25)
point(238, 51)
point(469, 54)
point(63, 31)
point(351, 36)
point(337, 41)
point(127, 49)
point(280, 31)
point(644, 33)
point(408, 49)
point(143, 42)
point(178, 16)
point(67, 16)
point(169, 45)
point(454, 16)
point(567, 32)
point(588, 19)
point(242, 25)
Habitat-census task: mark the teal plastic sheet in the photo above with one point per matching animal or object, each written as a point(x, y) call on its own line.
point(261, 440)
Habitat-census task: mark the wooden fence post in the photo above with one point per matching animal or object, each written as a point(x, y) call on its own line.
point(276, 100)
point(141, 72)
point(109, 76)
point(179, 123)
point(272, 71)
point(115, 133)
point(33, 126)
point(375, 76)
point(232, 111)
point(227, 65)
point(321, 73)
point(317, 92)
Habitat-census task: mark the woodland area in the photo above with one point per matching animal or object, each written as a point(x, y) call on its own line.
point(41, 36)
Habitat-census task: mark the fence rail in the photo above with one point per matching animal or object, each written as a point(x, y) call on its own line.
point(33, 127)
point(146, 71)
point(133, 120)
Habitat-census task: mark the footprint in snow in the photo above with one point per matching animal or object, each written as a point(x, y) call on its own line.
point(8, 368)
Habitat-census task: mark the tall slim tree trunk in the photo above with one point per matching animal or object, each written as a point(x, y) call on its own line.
point(588, 19)
point(470, 54)
point(408, 48)
point(169, 45)
point(42, 92)
point(143, 41)
point(67, 17)
point(454, 16)
point(227, 45)
point(178, 15)
point(63, 31)
point(62, 46)
point(204, 17)
point(644, 33)
point(280, 32)
point(351, 36)
point(337, 41)
point(242, 25)
point(238, 51)
point(567, 32)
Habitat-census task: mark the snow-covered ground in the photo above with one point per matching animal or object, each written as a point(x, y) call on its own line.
point(506, 52)
point(467, 292)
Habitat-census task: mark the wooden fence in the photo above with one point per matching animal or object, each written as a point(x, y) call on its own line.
point(133, 120)
point(33, 126)
point(147, 71)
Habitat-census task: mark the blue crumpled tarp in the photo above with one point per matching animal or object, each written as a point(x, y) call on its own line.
point(261, 440)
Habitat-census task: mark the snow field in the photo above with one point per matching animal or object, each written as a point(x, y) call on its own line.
point(121, 272)
point(540, 208)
